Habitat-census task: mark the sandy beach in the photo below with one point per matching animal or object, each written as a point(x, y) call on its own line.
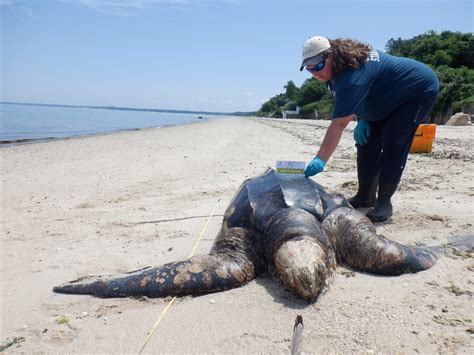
point(113, 203)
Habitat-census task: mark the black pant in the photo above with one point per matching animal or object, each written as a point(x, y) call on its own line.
point(390, 139)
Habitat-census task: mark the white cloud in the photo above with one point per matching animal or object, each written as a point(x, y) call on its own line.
point(26, 10)
point(29, 12)
point(114, 7)
point(133, 7)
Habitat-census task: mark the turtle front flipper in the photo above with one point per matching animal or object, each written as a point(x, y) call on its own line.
point(357, 244)
point(233, 261)
point(302, 255)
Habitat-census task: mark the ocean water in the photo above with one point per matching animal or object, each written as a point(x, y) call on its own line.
point(31, 122)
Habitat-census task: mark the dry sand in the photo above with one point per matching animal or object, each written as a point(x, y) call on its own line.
point(113, 203)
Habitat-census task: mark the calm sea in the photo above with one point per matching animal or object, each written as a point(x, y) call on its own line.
point(30, 122)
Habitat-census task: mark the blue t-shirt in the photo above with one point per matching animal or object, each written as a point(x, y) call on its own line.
point(380, 85)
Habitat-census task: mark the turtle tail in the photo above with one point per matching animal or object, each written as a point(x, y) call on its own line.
point(357, 244)
point(229, 265)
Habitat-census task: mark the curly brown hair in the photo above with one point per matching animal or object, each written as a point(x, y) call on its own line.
point(348, 54)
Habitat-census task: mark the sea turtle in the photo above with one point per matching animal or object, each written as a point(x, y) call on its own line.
point(286, 224)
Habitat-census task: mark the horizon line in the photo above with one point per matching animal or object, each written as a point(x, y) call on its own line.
point(125, 108)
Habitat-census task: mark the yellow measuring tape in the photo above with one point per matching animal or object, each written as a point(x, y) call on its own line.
point(150, 334)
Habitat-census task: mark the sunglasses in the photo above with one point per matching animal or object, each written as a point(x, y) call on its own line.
point(318, 67)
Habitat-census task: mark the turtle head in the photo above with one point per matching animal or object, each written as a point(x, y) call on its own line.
point(302, 266)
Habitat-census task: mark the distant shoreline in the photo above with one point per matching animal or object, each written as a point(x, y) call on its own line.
point(23, 141)
point(120, 108)
point(60, 122)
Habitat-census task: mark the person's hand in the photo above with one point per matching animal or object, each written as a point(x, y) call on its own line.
point(362, 132)
point(314, 167)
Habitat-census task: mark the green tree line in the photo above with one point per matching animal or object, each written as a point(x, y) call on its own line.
point(450, 54)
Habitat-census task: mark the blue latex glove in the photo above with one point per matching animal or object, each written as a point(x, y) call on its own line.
point(314, 167)
point(362, 132)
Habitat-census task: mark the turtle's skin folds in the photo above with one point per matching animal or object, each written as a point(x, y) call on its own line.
point(285, 224)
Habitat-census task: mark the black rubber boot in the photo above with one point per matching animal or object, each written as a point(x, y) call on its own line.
point(383, 207)
point(366, 195)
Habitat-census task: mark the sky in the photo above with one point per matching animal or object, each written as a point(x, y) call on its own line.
point(212, 55)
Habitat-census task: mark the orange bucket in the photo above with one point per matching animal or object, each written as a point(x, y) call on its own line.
point(423, 140)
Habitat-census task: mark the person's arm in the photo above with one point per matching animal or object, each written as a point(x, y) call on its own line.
point(332, 137)
point(330, 142)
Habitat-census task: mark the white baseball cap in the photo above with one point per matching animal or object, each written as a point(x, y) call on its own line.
point(313, 50)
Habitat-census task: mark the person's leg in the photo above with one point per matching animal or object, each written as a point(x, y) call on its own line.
point(400, 128)
point(368, 156)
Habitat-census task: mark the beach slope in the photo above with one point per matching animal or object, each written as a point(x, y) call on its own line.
point(118, 202)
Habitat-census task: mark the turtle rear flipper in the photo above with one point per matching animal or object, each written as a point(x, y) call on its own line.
point(357, 244)
point(232, 263)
